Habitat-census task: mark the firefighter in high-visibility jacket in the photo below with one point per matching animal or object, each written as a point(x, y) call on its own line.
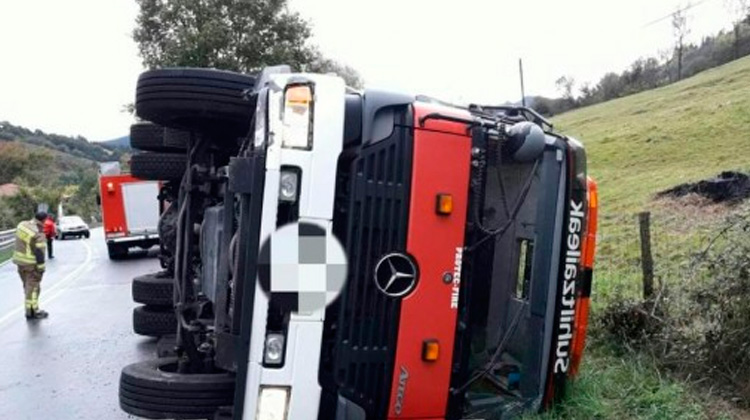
point(29, 256)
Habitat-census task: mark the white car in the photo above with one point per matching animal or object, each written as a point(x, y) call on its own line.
point(72, 226)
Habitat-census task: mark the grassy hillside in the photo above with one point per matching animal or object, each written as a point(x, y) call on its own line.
point(74, 146)
point(647, 142)
point(118, 143)
point(46, 175)
point(637, 146)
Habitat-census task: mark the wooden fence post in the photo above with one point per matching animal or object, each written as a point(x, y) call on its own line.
point(647, 260)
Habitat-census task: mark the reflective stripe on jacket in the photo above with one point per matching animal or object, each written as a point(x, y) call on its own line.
point(30, 245)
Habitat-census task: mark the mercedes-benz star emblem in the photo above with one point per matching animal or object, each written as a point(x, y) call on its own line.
point(396, 274)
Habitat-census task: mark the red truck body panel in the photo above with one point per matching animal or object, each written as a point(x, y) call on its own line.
point(113, 206)
point(441, 166)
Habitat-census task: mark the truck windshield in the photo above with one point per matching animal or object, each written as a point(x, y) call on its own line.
point(503, 364)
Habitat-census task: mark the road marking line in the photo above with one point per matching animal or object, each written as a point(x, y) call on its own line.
point(67, 279)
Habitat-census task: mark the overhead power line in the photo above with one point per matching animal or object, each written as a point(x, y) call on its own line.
point(665, 17)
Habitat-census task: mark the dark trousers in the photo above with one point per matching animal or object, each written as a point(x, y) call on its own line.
point(49, 247)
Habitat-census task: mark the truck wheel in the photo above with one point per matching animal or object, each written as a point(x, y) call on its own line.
point(196, 99)
point(176, 139)
point(154, 321)
point(154, 389)
point(158, 166)
point(153, 289)
point(147, 136)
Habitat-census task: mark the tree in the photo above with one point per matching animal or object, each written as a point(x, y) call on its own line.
point(739, 9)
point(681, 30)
point(610, 86)
point(588, 94)
point(321, 64)
point(565, 85)
point(14, 160)
point(652, 75)
point(21, 164)
point(237, 35)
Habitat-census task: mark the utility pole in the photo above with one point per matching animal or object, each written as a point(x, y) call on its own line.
point(523, 91)
point(681, 31)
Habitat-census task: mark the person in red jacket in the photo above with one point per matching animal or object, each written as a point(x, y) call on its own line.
point(49, 232)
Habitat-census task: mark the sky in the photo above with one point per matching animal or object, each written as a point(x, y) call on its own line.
point(69, 67)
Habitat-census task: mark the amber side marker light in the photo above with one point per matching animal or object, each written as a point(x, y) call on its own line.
point(430, 350)
point(444, 204)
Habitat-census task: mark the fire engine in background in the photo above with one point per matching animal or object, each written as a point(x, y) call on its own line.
point(130, 211)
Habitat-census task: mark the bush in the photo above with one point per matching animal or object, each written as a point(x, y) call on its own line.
point(700, 330)
point(723, 305)
point(631, 322)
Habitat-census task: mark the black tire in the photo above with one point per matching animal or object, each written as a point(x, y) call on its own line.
point(147, 136)
point(87, 234)
point(176, 139)
point(153, 289)
point(153, 389)
point(158, 166)
point(193, 99)
point(154, 321)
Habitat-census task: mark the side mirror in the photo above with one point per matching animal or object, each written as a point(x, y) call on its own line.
point(98, 200)
point(526, 142)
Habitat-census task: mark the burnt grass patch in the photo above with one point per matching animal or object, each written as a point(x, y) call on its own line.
point(729, 187)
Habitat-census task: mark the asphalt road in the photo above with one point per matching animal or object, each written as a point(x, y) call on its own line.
point(68, 366)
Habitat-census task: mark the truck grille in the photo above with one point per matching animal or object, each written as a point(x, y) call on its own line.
point(363, 323)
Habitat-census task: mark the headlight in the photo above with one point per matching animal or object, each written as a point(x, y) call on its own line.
point(298, 111)
point(288, 185)
point(272, 403)
point(274, 353)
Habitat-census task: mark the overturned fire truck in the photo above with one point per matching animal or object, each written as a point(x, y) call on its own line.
point(469, 234)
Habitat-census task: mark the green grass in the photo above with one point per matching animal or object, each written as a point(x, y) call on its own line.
point(648, 142)
point(615, 387)
point(637, 146)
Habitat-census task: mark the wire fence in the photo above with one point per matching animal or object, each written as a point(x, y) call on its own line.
point(679, 241)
